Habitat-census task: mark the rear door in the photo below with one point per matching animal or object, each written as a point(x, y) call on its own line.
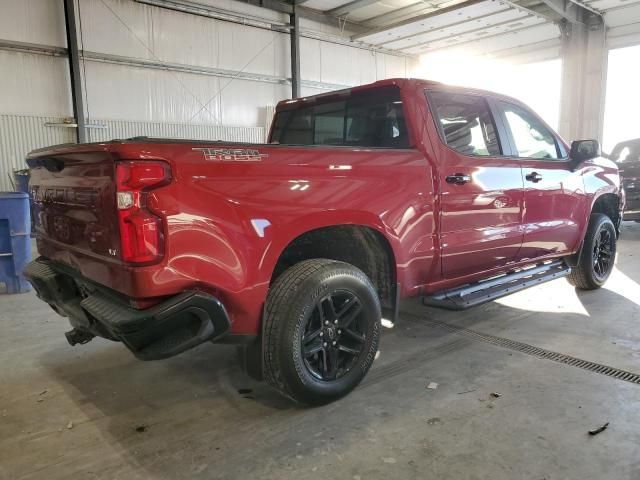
point(554, 200)
point(481, 189)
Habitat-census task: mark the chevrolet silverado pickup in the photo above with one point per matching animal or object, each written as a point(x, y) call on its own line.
point(295, 249)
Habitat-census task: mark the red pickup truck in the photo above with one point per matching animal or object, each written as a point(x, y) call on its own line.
point(297, 248)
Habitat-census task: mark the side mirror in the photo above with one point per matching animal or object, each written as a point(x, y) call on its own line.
point(582, 150)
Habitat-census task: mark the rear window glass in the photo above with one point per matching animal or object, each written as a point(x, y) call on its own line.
point(365, 119)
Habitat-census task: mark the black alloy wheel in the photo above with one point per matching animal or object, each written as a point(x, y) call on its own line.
point(333, 336)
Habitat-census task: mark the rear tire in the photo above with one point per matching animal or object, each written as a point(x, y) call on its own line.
point(321, 331)
point(597, 255)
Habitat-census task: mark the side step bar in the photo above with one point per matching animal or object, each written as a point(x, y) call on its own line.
point(461, 298)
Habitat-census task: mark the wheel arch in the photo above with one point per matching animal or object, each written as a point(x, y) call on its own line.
point(608, 204)
point(363, 246)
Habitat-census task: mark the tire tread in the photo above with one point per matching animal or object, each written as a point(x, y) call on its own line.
point(287, 283)
point(581, 275)
point(281, 307)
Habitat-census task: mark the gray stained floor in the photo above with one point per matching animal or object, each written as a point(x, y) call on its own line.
point(94, 411)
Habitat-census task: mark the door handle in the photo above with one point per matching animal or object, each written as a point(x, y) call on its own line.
point(534, 177)
point(458, 179)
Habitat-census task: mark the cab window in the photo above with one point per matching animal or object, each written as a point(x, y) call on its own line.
point(369, 118)
point(532, 139)
point(465, 123)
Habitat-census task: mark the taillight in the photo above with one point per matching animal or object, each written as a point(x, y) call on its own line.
point(141, 235)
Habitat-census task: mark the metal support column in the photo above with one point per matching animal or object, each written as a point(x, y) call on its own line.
point(295, 53)
point(77, 96)
point(584, 67)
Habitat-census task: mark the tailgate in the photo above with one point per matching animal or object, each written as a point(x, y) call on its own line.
point(74, 200)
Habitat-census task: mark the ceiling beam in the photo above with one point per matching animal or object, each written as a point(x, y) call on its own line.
point(441, 27)
point(467, 42)
point(440, 11)
point(398, 14)
point(540, 10)
point(572, 10)
point(350, 7)
point(308, 13)
point(466, 32)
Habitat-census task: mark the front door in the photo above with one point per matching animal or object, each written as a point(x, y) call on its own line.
point(481, 190)
point(553, 194)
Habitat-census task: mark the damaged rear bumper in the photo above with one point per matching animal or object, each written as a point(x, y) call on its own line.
point(164, 330)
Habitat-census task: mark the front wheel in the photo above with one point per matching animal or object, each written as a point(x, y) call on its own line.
point(597, 255)
point(321, 332)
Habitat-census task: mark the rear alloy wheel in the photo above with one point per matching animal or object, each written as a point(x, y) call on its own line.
point(598, 254)
point(321, 332)
point(602, 254)
point(333, 335)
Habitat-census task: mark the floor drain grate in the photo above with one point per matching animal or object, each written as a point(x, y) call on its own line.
point(541, 352)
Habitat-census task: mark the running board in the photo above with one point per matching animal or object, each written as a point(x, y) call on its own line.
point(485, 291)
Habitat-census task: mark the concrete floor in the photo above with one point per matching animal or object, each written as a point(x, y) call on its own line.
point(94, 411)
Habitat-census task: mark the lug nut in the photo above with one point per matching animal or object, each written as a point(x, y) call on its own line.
point(322, 334)
point(326, 322)
point(335, 321)
point(339, 332)
point(334, 343)
point(324, 344)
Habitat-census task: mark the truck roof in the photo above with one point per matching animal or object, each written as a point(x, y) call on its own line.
point(399, 82)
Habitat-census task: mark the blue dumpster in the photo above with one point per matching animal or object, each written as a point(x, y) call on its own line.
point(15, 240)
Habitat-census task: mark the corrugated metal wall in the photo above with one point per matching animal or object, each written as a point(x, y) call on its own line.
point(126, 129)
point(19, 134)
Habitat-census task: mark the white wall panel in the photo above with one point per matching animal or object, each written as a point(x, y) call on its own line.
point(136, 93)
point(389, 66)
point(143, 94)
point(179, 38)
point(103, 32)
point(34, 84)
point(244, 102)
point(156, 33)
point(344, 65)
point(253, 49)
point(310, 63)
point(33, 21)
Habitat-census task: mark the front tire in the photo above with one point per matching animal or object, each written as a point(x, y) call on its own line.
point(597, 255)
point(321, 332)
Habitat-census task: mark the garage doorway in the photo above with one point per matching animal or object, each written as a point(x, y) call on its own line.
point(622, 101)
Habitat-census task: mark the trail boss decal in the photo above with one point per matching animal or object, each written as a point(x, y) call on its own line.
point(231, 154)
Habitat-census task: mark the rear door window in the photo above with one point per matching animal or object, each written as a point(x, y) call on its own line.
point(371, 118)
point(465, 123)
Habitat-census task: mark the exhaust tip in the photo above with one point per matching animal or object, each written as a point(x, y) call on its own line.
point(75, 337)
